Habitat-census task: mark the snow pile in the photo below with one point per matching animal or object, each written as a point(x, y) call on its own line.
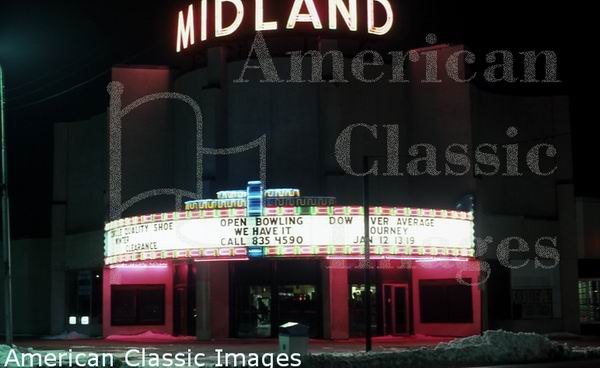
point(503, 347)
point(563, 336)
point(67, 336)
point(493, 347)
point(149, 336)
point(4, 349)
point(4, 354)
point(586, 353)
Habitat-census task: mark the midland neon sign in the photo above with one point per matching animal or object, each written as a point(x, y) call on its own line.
point(189, 29)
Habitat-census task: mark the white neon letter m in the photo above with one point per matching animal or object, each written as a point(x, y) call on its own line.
point(185, 29)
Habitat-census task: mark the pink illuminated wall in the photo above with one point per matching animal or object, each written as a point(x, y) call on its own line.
point(219, 299)
point(140, 274)
point(446, 270)
point(335, 300)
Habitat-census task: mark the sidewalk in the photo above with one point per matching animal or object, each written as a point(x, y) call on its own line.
point(265, 345)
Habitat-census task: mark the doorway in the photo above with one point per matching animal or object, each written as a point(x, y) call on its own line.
point(254, 311)
point(268, 293)
point(184, 300)
point(396, 310)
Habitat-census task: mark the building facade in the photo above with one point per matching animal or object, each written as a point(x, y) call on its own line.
point(286, 134)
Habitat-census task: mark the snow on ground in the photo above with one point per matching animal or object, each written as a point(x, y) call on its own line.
point(4, 355)
point(4, 349)
point(564, 336)
point(149, 336)
point(493, 347)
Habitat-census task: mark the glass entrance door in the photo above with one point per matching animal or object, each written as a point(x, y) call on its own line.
point(299, 303)
point(268, 293)
point(357, 310)
point(395, 304)
point(254, 311)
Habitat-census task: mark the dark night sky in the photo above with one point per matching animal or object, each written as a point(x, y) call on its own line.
point(57, 56)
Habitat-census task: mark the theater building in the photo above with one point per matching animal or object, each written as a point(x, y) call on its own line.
point(136, 246)
point(285, 134)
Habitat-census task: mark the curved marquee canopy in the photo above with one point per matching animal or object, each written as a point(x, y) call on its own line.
point(327, 231)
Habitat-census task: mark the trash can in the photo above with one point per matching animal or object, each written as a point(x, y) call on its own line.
point(293, 338)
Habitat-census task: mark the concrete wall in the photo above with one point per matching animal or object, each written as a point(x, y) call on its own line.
point(78, 208)
point(588, 232)
point(529, 206)
point(303, 121)
point(31, 287)
point(85, 177)
point(538, 120)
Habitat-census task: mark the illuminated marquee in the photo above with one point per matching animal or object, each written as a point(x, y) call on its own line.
point(289, 231)
point(223, 228)
point(192, 23)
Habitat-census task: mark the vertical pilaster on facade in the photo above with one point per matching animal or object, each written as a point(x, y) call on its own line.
point(57, 283)
point(329, 123)
point(203, 301)
point(216, 66)
point(219, 293)
point(567, 245)
point(214, 112)
point(483, 299)
point(335, 300)
point(59, 219)
point(326, 46)
point(106, 301)
point(479, 230)
point(209, 103)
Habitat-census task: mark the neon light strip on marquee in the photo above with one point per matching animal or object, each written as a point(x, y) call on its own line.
point(301, 11)
point(400, 258)
point(140, 266)
point(330, 252)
